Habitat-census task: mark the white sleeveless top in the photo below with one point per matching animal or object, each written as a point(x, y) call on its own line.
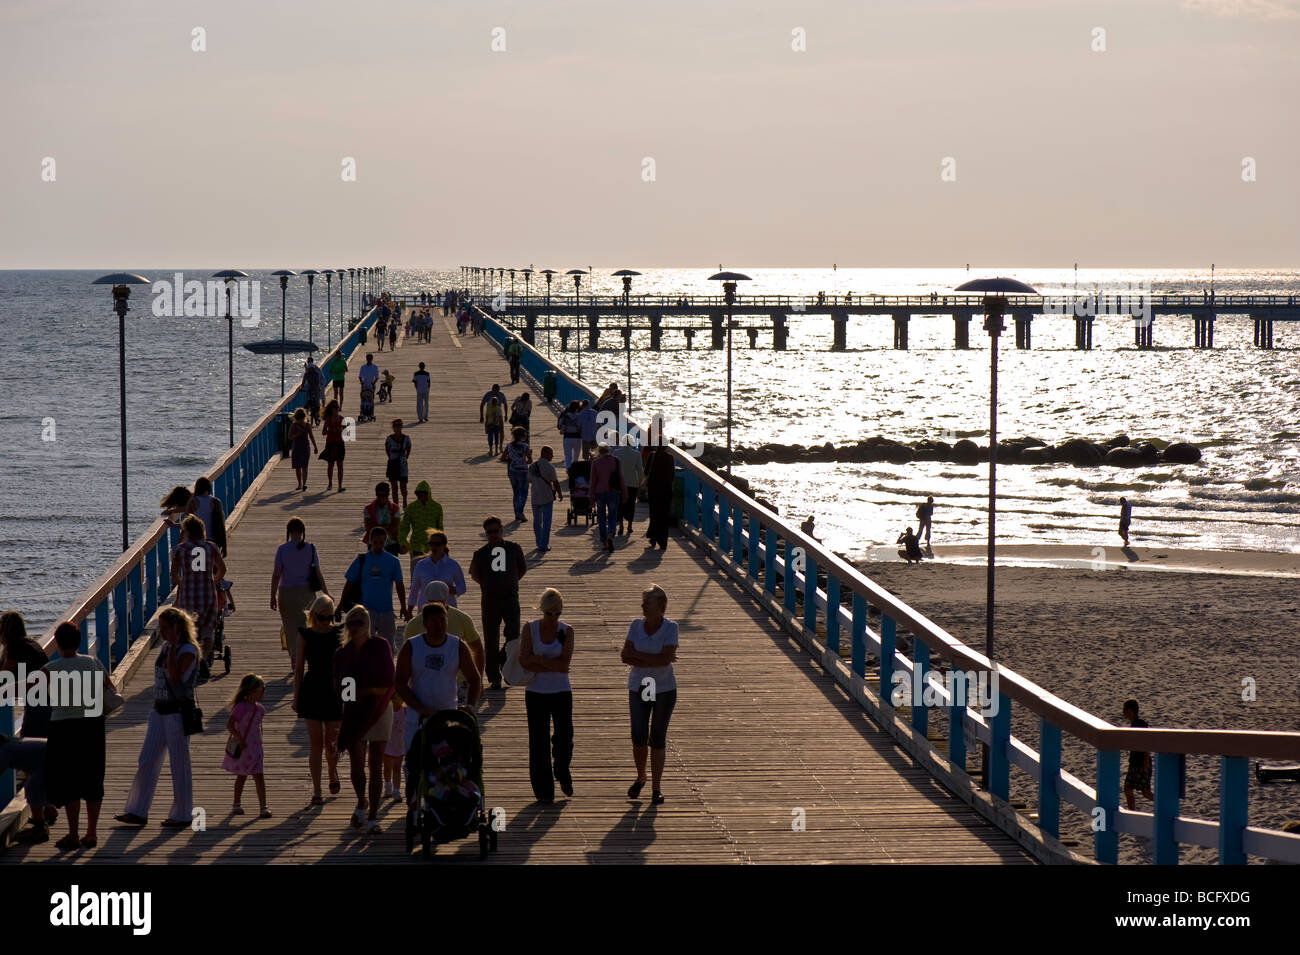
point(433, 677)
point(549, 682)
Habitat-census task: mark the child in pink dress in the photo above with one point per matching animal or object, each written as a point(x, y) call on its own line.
point(245, 728)
point(395, 753)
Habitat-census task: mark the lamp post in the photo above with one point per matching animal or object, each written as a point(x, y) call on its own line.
point(512, 286)
point(528, 281)
point(577, 290)
point(342, 274)
point(329, 309)
point(548, 273)
point(285, 275)
point(229, 275)
point(729, 280)
point(626, 275)
point(311, 280)
point(1211, 281)
point(122, 282)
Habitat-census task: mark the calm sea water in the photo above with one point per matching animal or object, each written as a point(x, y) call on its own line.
point(59, 499)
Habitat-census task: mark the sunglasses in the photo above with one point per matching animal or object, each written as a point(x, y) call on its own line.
point(358, 622)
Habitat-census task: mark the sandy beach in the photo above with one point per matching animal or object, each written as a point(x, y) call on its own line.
point(1181, 641)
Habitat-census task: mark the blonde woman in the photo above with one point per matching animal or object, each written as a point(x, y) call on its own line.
point(175, 674)
point(546, 649)
point(650, 649)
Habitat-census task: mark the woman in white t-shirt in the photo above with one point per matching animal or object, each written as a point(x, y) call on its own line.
point(545, 650)
point(650, 649)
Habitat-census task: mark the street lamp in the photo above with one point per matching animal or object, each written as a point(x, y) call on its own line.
point(311, 279)
point(995, 306)
point(122, 282)
point(626, 275)
point(285, 275)
point(548, 273)
point(329, 308)
point(342, 274)
point(577, 290)
point(729, 280)
point(512, 286)
point(528, 281)
point(229, 275)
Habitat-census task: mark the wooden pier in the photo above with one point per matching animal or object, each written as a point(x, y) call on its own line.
point(763, 740)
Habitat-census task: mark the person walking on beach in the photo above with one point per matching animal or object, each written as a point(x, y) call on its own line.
point(1125, 518)
point(546, 650)
point(294, 582)
point(338, 369)
point(397, 447)
point(439, 565)
point(517, 457)
point(497, 567)
point(1138, 777)
point(244, 749)
point(314, 699)
point(911, 547)
point(545, 484)
point(570, 428)
point(380, 573)
point(925, 517)
point(196, 570)
point(302, 443)
point(175, 674)
point(365, 662)
point(76, 750)
point(608, 491)
point(421, 381)
point(650, 651)
point(418, 520)
point(335, 449)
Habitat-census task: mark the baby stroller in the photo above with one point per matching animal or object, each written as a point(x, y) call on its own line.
point(219, 649)
point(580, 492)
point(367, 405)
point(445, 784)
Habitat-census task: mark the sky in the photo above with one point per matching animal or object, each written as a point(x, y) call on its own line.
point(649, 133)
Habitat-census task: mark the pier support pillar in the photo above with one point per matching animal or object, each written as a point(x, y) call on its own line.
point(900, 331)
point(656, 331)
point(564, 338)
point(1023, 327)
point(1144, 329)
point(690, 337)
point(719, 332)
point(1263, 332)
point(780, 332)
point(530, 327)
point(593, 331)
point(753, 336)
point(1204, 331)
point(841, 321)
point(627, 337)
point(961, 331)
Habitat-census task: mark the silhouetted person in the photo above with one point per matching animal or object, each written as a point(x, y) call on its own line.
point(911, 546)
point(1138, 778)
point(1125, 518)
point(925, 515)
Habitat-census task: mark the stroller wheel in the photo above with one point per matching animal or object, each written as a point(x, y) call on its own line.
point(482, 843)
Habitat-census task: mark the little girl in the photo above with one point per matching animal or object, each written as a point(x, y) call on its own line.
point(394, 754)
point(245, 726)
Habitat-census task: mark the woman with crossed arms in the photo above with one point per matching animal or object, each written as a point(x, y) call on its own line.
point(650, 649)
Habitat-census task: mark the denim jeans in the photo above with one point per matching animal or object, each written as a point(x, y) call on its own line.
point(607, 513)
point(519, 484)
point(542, 524)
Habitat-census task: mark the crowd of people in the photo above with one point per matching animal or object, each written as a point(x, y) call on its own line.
point(368, 666)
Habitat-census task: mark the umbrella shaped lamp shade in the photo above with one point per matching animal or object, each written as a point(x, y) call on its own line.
point(121, 278)
point(996, 286)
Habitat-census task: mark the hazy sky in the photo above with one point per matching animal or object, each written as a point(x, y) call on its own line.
point(763, 155)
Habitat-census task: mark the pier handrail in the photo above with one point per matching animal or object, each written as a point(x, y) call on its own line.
point(747, 548)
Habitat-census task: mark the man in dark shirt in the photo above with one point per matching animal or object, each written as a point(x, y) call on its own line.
point(497, 567)
point(925, 516)
point(1138, 777)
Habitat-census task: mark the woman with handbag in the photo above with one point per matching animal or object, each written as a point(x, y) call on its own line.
point(175, 717)
point(367, 661)
point(244, 747)
point(545, 650)
point(295, 582)
point(76, 751)
point(314, 699)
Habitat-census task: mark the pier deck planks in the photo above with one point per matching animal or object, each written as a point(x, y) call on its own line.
point(759, 730)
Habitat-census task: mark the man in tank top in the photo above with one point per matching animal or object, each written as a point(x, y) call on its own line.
point(426, 671)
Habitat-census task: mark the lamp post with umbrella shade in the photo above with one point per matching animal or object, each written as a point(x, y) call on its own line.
point(229, 275)
point(285, 275)
point(729, 280)
point(548, 273)
point(311, 280)
point(512, 286)
point(122, 282)
point(995, 306)
point(626, 275)
point(577, 292)
point(528, 281)
point(343, 330)
point(329, 308)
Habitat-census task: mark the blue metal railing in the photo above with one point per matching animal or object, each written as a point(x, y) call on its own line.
point(124, 599)
point(756, 546)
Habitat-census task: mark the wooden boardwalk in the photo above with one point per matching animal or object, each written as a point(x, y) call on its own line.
point(759, 732)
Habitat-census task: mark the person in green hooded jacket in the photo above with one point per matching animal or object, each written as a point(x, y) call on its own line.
point(417, 520)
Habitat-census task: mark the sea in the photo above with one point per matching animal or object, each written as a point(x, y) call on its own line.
point(60, 491)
